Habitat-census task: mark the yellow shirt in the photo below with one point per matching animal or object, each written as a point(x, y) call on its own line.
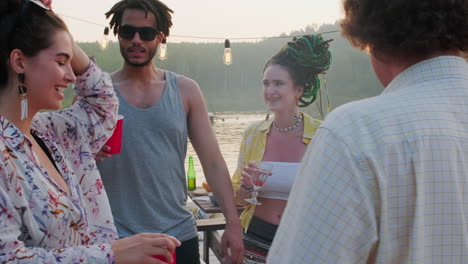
point(253, 147)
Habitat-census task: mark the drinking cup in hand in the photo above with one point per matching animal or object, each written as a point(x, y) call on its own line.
point(115, 141)
point(258, 176)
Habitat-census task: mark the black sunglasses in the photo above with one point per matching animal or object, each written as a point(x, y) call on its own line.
point(146, 33)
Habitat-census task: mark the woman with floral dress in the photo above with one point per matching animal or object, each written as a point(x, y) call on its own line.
point(53, 207)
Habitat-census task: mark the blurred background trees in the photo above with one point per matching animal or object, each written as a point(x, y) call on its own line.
point(237, 87)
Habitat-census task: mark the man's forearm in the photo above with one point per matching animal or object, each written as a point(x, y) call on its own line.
point(218, 179)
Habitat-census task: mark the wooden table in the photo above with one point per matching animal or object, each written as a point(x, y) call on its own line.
point(207, 206)
point(211, 238)
point(209, 227)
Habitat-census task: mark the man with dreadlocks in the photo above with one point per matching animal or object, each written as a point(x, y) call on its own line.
point(146, 181)
point(385, 179)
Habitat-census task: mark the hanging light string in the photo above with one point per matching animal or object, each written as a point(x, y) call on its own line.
point(253, 38)
point(162, 50)
point(105, 41)
point(82, 20)
point(212, 38)
point(227, 58)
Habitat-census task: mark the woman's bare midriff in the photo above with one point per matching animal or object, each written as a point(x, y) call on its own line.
point(271, 210)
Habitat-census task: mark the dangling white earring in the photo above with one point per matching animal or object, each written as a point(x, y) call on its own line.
point(23, 91)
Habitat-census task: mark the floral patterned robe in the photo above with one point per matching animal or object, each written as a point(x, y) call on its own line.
point(39, 222)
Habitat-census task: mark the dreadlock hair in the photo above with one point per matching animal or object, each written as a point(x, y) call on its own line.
point(304, 58)
point(158, 8)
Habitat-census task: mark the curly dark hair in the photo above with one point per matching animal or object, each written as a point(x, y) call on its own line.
point(304, 58)
point(406, 28)
point(160, 10)
point(27, 27)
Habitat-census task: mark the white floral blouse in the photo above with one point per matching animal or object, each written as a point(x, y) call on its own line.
point(39, 222)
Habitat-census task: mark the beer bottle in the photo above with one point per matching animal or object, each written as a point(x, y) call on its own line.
point(191, 177)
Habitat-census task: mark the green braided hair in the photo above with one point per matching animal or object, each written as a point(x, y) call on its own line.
point(304, 58)
point(158, 8)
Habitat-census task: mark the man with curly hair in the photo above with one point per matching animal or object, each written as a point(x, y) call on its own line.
point(385, 179)
point(146, 181)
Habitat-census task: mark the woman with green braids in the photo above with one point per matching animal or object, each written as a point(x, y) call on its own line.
point(290, 81)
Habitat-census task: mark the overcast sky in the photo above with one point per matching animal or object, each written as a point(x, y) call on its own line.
point(209, 18)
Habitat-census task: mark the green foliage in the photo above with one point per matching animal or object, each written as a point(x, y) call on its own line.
point(109, 60)
point(237, 87)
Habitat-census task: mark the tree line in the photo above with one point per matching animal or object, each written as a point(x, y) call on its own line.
point(237, 87)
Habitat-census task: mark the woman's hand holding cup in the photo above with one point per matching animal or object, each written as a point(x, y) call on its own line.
point(246, 179)
point(249, 170)
point(258, 172)
point(141, 248)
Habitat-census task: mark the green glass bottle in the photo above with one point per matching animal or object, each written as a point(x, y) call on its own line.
point(191, 177)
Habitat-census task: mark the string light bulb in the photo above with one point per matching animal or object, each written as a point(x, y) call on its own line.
point(105, 41)
point(227, 58)
point(162, 50)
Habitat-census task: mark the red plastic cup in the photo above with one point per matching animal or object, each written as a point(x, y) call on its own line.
point(115, 141)
point(161, 257)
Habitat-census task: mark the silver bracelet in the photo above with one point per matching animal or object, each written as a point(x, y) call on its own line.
point(249, 190)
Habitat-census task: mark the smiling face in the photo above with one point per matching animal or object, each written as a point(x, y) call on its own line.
point(279, 91)
point(49, 73)
point(135, 51)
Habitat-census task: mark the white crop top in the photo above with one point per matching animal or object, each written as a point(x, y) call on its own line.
point(278, 185)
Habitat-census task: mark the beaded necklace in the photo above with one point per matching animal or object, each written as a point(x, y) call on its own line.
point(298, 119)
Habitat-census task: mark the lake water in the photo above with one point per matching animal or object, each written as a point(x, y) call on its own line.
point(228, 128)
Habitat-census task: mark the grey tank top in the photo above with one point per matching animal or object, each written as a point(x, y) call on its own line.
point(146, 181)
